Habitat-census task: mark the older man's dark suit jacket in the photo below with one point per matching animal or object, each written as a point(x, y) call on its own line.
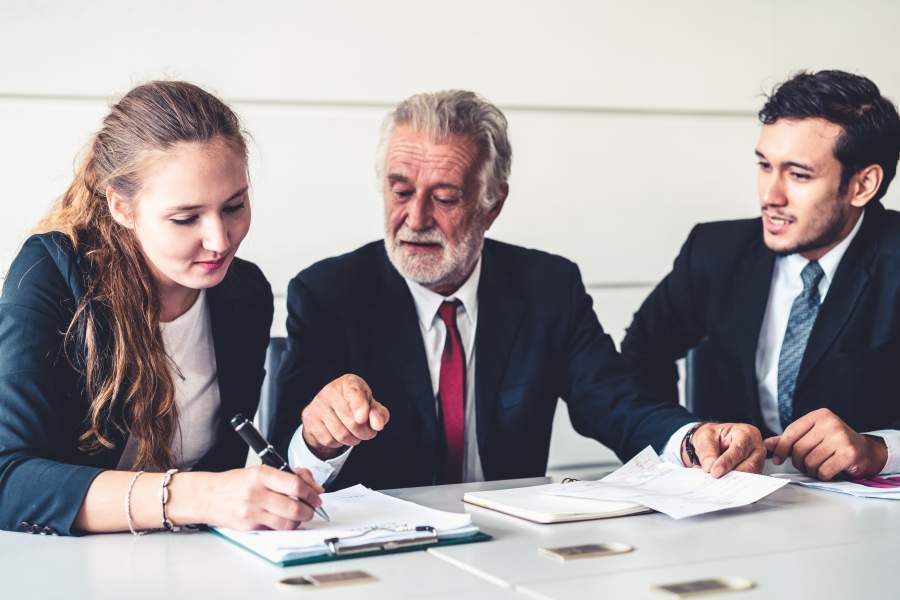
point(43, 408)
point(718, 290)
point(537, 339)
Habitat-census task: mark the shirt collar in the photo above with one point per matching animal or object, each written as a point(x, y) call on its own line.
point(794, 263)
point(428, 302)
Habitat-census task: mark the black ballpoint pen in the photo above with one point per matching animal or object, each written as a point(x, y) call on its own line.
point(266, 452)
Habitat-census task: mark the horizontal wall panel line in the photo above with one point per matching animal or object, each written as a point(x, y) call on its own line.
point(350, 104)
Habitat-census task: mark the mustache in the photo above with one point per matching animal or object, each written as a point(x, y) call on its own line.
point(431, 236)
point(773, 212)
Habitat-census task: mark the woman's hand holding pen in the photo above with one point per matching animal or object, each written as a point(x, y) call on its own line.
point(259, 497)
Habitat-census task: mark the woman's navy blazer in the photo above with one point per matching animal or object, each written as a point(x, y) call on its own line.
point(44, 476)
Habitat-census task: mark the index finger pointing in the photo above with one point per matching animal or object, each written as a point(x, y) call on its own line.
point(378, 416)
point(359, 399)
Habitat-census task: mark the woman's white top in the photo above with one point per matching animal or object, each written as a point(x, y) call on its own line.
point(189, 343)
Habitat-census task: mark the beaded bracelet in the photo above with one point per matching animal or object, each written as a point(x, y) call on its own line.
point(128, 506)
point(168, 525)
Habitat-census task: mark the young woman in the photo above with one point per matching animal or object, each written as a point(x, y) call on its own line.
point(130, 335)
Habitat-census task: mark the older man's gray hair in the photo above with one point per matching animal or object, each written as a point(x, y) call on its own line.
point(457, 112)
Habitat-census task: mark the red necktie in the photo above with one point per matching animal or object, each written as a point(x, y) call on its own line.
point(452, 393)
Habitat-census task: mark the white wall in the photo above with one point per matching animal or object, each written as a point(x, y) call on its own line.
point(630, 121)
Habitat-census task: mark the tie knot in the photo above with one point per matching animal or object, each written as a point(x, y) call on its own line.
point(811, 275)
point(447, 312)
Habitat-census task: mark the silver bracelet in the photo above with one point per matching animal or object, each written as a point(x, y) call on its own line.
point(128, 506)
point(168, 525)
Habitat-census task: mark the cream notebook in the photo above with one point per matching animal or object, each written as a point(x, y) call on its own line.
point(537, 505)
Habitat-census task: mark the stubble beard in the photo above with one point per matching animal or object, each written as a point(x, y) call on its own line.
point(825, 231)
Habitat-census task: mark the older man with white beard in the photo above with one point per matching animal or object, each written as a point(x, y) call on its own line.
point(437, 356)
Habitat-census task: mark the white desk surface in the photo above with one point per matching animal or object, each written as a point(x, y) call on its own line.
point(858, 570)
point(791, 519)
point(201, 565)
point(163, 566)
point(797, 539)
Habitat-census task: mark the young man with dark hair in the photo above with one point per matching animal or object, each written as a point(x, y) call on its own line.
point(799, 310)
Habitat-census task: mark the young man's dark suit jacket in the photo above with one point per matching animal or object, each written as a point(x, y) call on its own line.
point(718, 290)
point(43, 408)
point(537, 339)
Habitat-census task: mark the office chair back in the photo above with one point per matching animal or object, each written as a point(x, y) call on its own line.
point(274, 356)
point(700, 381)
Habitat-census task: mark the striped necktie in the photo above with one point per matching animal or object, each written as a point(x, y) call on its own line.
point(800, 322)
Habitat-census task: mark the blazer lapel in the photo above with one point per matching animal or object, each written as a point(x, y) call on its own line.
point(850, 280)
point(226, 340)
point(397, 335)
point(226, 323)
point(500, 313)
point(751, 294)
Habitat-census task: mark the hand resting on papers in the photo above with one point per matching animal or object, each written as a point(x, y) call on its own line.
point(821, 445)
point(725, 447)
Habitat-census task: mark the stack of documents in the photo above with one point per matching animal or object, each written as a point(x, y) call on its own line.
point(886, 488)
point(672, 489)
point(360, 518)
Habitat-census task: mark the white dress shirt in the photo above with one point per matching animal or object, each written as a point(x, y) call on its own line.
point(787, 285)
point(189, 344)
point(434, 335)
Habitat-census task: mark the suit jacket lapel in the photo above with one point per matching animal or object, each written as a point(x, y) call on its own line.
point(850, 280)
point(397, 334)
point(226, 341)
point(500, 313)
point(751, 294)
point(226, 323)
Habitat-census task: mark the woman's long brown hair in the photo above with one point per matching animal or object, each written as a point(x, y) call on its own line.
point(114, 338)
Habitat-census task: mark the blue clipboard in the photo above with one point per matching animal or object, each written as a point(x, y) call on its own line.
point(374, 549)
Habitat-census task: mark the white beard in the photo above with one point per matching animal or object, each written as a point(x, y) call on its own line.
point(451, 266)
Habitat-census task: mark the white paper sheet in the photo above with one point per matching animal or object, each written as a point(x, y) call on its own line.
point(353, 511)
point(671, 489)
point(886, 487)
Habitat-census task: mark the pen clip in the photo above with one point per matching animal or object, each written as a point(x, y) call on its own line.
point(336, 549)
